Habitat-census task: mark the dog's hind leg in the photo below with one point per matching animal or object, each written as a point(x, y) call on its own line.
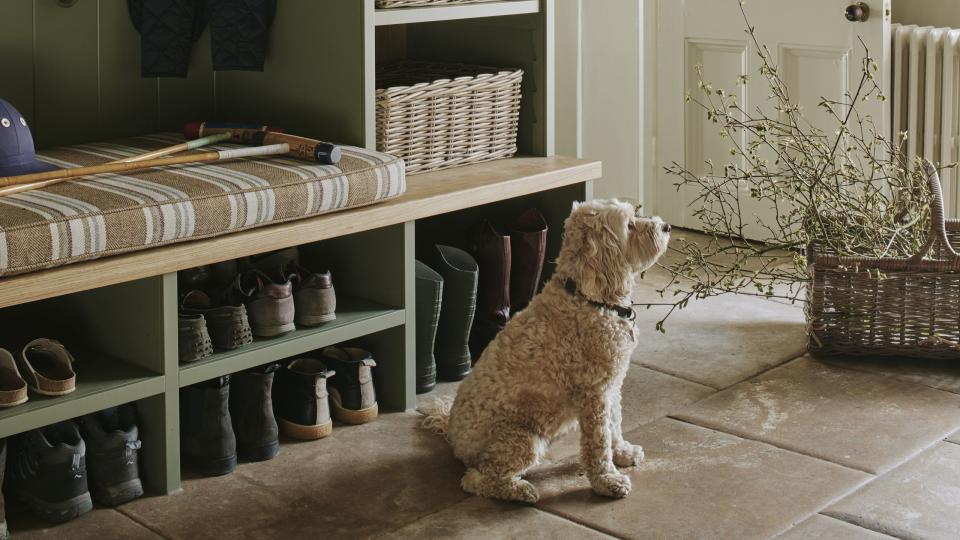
point(497, 472)
point(624, 453)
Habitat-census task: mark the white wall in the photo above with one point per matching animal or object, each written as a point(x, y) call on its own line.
point(605, 120)
point(926, 12)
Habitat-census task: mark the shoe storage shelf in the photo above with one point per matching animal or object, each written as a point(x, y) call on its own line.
point(118, 314)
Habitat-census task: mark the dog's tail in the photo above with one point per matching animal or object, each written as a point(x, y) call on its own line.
point(438, 417)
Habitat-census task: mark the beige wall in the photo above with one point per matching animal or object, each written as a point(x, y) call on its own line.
point(926, 12)
point(604, 119)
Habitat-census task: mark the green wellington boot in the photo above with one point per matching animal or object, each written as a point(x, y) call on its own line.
point(459, 271)
point(429, 295)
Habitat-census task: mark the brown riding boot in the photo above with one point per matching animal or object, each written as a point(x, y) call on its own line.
point(528, 244)
point(492, 251)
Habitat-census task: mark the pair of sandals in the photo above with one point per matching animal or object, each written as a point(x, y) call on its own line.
point(48, 369)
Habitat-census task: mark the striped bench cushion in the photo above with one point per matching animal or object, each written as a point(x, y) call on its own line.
point(112, 213)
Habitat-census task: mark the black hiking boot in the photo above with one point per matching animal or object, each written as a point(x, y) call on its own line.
point(207, 443)
point(300, 399)
point(48, 472)
point(113, 443)
point(251, 409)
point(352, 396)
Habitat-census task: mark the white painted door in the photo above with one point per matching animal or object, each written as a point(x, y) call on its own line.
point(812, 41)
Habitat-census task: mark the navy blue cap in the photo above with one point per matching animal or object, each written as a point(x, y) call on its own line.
point(17, 155)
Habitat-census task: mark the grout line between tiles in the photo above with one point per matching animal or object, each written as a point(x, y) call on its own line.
point(948, 441)
point(142, 523)
point(892, 375)
point(681, 377)
point(768, 443)
point(721, 388)
point(864, 527)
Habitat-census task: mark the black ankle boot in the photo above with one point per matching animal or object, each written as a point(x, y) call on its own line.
point(459, 271)
point(207, 443)
point(353, 398)
point(300, 399)
point(251, 410)
point(113, 444)
point(429, 295)
point(48, 472)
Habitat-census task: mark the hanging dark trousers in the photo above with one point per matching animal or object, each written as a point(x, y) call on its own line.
point(528, 244)
point(459, 271)
point(429, 295)
point(492, 251)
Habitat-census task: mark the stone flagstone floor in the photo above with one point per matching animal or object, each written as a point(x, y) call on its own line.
point(745, 437)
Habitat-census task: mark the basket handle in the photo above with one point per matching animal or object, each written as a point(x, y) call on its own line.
point(938, 228)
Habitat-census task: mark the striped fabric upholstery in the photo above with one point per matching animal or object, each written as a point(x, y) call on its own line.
point(112, 213)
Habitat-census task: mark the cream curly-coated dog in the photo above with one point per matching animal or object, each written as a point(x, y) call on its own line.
point(561, 360)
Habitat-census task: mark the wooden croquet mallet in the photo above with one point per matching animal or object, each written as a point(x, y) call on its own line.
point(300, 147)
point(26, 182)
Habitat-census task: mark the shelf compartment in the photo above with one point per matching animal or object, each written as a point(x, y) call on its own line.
point(355, 318)
point(385, 17)
point(100, 384)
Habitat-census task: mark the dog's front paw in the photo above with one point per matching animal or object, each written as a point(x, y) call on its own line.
point(627, 455)
point(611, 485)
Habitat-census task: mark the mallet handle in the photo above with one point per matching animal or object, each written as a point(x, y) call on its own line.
point(182, 147)
point(300, 147)
point(43, 179)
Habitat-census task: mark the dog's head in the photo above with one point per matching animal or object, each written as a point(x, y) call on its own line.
point(606, 243)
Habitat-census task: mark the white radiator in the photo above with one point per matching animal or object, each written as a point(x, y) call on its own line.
point(925, 97)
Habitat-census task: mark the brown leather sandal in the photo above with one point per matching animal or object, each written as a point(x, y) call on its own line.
point(48, 367)
point(13, 389)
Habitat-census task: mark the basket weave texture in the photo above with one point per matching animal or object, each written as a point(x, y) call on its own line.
point(437, 116)
point(891, 306)
point(387, 4)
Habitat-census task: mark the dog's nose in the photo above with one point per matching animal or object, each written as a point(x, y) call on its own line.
point(666, 227)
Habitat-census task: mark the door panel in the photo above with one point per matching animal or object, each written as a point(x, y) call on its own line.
point(816, 48)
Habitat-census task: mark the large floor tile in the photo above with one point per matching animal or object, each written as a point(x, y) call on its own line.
point(646, 396)
point(955, 438)
point(224, 507)
point(477, 518)
point(721, 341)
point(919, 500)
point(361, 481)
point(944, 375)
point(700, 483)
point(98, 524)
point(863, 420)
point(444, 392)
point(820, 527)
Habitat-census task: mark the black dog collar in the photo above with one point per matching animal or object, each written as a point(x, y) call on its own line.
point(625, 312)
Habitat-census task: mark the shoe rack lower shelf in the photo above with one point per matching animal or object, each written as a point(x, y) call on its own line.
point(101, 383)
point(355, 318)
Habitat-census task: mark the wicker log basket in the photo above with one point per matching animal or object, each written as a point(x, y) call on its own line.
point(891, 306)
point(437, 116)
point(387, 4)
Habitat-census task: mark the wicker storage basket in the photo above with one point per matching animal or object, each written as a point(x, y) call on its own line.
point(912, 308)
point(437, 116)
point(387, 4)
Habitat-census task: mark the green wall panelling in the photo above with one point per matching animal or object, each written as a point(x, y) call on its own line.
point(67, 68)
point(513, 41)
point(16, 56)
point(128, 102)
point(312, 83)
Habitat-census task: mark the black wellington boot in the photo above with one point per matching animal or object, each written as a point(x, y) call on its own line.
point(251, 409)
point(492, 251)
point(113, 442)
point(207, 442)
point(429, 295)
point(528, 245)
point(48, 472)
point(459, 271)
